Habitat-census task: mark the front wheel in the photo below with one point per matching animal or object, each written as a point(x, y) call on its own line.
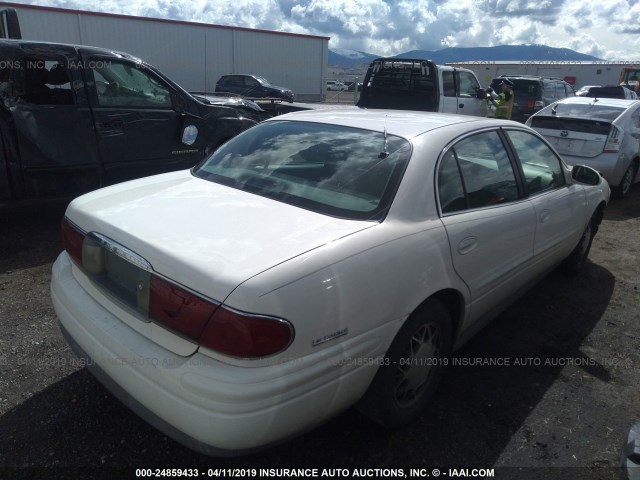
point(412, 369)
point(575, 262)
point(622, 190)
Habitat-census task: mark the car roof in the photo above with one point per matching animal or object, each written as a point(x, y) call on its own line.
point(402, 123)
point(528, 77)
point(21, 44)
point(612, 102)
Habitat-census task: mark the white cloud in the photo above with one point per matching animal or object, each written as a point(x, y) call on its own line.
point(605, 28)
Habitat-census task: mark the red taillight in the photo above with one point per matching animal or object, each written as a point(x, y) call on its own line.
point(216, 327)
point(245, 335)
point(531, 103)
point(614, 140)
point(210, 325)
point(72, 237)
point(178, 308)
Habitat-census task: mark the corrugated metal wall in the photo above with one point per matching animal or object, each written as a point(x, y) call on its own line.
point(193, 55)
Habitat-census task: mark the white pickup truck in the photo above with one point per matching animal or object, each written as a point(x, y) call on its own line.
point(418, 84)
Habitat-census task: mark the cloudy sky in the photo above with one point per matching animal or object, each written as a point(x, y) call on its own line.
point(605, 28)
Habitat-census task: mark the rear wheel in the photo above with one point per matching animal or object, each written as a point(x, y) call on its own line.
point(412, 367)
point(622, 190)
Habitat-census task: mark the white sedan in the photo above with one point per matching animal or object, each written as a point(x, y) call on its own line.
point(316, 261)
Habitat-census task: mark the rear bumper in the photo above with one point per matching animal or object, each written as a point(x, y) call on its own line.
point(208, 405)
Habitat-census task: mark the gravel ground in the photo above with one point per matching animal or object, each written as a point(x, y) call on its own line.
point(557, 407)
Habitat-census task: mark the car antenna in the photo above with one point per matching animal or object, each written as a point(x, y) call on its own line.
point(385, 152)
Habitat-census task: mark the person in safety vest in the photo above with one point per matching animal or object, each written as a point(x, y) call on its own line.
point(503, 99)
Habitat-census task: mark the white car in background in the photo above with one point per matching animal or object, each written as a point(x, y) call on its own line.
point(319, 260)
point(336, 85)
point(603, 133)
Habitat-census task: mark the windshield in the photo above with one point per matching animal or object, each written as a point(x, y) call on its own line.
point(339, 171)
point(263, 81)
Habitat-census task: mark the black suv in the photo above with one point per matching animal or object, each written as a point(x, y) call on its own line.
point(533, 93)
point(252, 86)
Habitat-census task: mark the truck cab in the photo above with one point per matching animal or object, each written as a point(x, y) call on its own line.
point(75, 118)
point(419, 84)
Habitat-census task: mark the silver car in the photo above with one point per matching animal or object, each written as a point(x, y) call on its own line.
point(602, 133)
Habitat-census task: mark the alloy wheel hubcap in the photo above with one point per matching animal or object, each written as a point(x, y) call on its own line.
point(417, 364)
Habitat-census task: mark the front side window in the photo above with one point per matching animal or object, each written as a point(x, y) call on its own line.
point(484, 172)
point(469, 86)
point(126, 85)
point(340, 171)
point(541, 167)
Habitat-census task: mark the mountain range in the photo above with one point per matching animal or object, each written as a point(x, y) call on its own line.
point(351, 58)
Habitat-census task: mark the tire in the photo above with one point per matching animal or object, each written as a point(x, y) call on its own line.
point(412, 367)
point(622, 190)
point(574, 263)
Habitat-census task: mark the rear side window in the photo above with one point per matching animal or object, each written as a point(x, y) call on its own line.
point(526, 88)
point(47, 81)
point(448, 84)
point(480, 166)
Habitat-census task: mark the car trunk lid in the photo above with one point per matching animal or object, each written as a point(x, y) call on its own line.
point(574, 136)
point(207, 237)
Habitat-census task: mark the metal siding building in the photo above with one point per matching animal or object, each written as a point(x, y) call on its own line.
point(194, 55)
point(578, 73)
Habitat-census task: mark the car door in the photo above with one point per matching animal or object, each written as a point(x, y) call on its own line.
point(139, 131)
point(468, 101)
point(53, 125)
point(560, 207)
point(489, 224)
point(459, 94)
point(449, 95)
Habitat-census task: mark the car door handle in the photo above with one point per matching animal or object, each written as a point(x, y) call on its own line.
point(544, 215)
point(467, 244)
point(461, 105)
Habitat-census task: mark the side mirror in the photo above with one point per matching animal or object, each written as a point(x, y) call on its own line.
point(481, 93)
point(189, 135)
point(586, 175)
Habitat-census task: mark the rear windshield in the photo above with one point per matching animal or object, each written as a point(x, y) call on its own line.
point(590, 111)
point(335, 170)
point(606, 92)
point(597, 127)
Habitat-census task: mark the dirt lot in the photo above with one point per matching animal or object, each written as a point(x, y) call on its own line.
point(559, 409)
